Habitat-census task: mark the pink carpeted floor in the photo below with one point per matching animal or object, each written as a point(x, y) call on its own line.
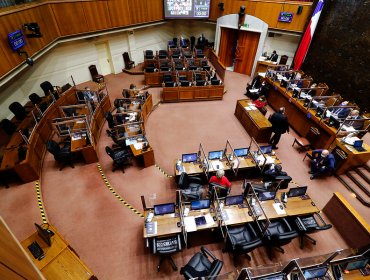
point(107, 235)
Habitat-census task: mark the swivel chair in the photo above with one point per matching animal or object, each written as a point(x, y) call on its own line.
point(162, 54)
point(110, 120)
point(222, 191)
point(62, 155)
point(279, 233)
point(283, 59)
point(202, 264)
point(35, 98)
point(306, 142)
point(148, 54)
point(128, 62)
point(18, 110)
point(96, 77)
point(49, 89)
point(121, 157)
point(242, 240)
point(308, 224)
point(191, 187)
point(166, 247)
point(8, 126)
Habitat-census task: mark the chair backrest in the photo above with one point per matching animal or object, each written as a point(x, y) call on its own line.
point(283, 59)
point(93, 70)
point(126, 57)
point(109, 151)
point(47, 87)
point(35, 98)
point(53, 147)
point(18, 110)
point(183, 181)
point(8, 126)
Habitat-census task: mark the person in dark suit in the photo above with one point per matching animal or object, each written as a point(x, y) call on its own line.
point(280, 125)
point(341, 112)
point(272, 173)
point(354, 115)
point(323, 162)
point(274, 56)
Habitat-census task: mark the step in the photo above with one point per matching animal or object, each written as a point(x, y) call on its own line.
point(363, 172)
point(353, 188)
point(364, 185)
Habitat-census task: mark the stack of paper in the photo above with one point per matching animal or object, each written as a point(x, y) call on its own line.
point(277, 207)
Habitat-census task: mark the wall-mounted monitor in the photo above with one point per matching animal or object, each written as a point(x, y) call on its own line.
point(186, 8)
point(16, 40)
point(285, 17)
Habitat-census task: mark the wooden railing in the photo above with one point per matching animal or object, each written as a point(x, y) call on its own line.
point(220, 68)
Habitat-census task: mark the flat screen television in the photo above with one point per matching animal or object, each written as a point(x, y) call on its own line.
point(234, 200)
point(266, 149)
point(215, 155)
point(263, 196)
point(299, 191)
point(242, 152)
point(16, 39)
point(316, 272)
point(162, 209)
point(186, 8)
point(189, 157)
point(200, 204)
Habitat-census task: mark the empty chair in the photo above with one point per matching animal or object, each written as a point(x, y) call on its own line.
point(148, 54)
point(96, 77)
point(202, 264)
point(61, 155)
point(128, 62)
point(279, 233)
point(167, 78)
point(35, 98)
point(8, 126)
point(49, 89)
point(306, 142)
point(308, 224)
point(162, 54)
point(191, 187)
point(283, 59)
point(166, 247)
point(121, 157)
point(176, 54)
point(18, 110)
point(241, 240)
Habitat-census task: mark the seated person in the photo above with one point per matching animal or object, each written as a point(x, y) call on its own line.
point(88, 94)
point(312, 92)
point(273, 172)
point(354, 115)
point(323, 162)
point(274, 56)
point(120, 118)
point(341, 113)
point(260, 102)
point(220, 179)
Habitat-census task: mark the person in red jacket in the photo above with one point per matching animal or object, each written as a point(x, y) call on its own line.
point(260, 102)
point(220, 179)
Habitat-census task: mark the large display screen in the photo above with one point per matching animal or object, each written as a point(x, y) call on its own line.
point(186, 8)
point(16, 40)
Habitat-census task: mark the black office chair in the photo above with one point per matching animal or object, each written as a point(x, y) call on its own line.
point(128, 62)
point(18, 110)
point(62, 155)
point(8, 126)
point(110, 120)
point(202, 264)
point(308, 224)
point(242, 240)
point(49, 89)
point(96, 77)
point(167, 78)
point(35, 98)
point(148, 54)
point(279, 233)
point(191, 187)
point(222, 191)
point(283, 59)
point(162, 54)
point(121, 157)
point(166, 247)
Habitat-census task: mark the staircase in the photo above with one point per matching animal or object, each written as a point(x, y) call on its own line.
point(357, 181)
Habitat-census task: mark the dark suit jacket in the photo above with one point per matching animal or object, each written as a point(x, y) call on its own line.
point(342, 112)
point(274, 57)
point(328, 162)
point(355, 124)
point(279, 123)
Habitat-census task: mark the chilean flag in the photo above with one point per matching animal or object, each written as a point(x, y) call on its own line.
point(307, 37)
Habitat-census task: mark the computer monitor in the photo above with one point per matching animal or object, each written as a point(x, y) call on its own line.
point(334, 122)
point(200, 83)
point(190, 157)
point(299, 191)
point(234, 200)
point(184, 83)
point(200, 204)
point(355, 264)
point(215, 155)
point(283, 83)
point(242, 152)
point(263, 196)
point(215, 82)
point(44, 234)
point(162, 209)
point(266, 149)
point(296, 92)
point(315, 272)
point(306, 102)
point(320, 112)
point(247, 187)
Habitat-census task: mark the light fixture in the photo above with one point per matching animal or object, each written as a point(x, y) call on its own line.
point(34, 28)
point(29, 60)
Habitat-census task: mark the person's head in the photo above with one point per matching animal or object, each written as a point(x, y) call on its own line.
point(278, 168)
point(354, 113)
point(87, 88)
point(274, 52)
point(324, 153)
point(282, 110)
point(132, 86)
point(344, 103)
point(313, 85)
point(120, 110)
point(220, 173)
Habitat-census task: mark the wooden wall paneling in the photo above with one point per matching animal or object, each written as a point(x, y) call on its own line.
point(119, 12)
point(70, 18)
point(138, 10)
point(268, 12)
point(299, 21)
point(228, 39)
point(6, 273)
point(215, 11)
point(155, 10)
point(246, 51)
point(97, 15)
point(6, 64)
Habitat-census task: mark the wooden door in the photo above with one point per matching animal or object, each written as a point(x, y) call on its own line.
point(246, 49)
point(227, 46)
point(104, 58)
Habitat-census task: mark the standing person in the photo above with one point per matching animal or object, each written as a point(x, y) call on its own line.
point(280, 125)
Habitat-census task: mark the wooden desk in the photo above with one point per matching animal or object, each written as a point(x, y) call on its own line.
point(166, 225)
point(203, 212)
point(192, 93)
point(298, 115)
point(147, 156)
point(237, 215)
point(254, 122)
point(60, 261)
point(354, 158)
point(262, 65)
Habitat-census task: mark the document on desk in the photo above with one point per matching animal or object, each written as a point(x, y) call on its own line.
point(209, 219)
point(262, 74)
point(270, 160)
point(348, 128)
point(76, 136)
point(277, 207)
point(130, 141)
point(190, 224)
point(151, 228)
point(216, 165)
point(138, 146)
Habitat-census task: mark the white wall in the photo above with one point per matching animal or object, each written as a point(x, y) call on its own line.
point(73, 58)
point(284, 44)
